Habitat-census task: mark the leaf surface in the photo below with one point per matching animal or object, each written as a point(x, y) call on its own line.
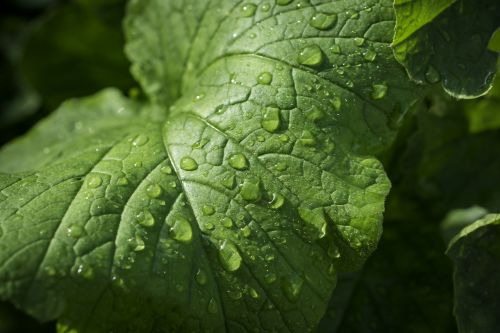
point(237, 209)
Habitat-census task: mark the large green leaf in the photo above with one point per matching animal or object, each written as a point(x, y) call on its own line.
point(236, 211)
point(475, 252)
point(447, 40)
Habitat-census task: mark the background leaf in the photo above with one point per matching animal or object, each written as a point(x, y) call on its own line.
point(473, 251)
point(447, 41)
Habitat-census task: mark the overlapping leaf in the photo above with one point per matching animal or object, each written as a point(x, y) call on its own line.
point(447, 41)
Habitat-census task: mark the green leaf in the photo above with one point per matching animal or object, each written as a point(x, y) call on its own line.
point(447, 41)
point(236, 211)
point(475, 251)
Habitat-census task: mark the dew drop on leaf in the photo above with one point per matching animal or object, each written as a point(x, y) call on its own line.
point(208, 210)
point(75, 231)
point(181, 230)
point(336, 103)
point(122, 181)
point(292, 286)
point(284, 138)
point(266, 7)
point(227, 222)
point(315, 114)
point(154, 190)
point(246, 231)
point(200, 144)
point(370, 55)
point(307, 139)
point(379, 91)
point(359, 41)
point(146, 219)
point(94, 181)
point(277, 201)
point(271, 119)
point(270, 278)
point(228, 182)
point(188, 164)
point(166, 170)
point(139, 244)
point(322, 21)
point(253, 293)
point(310, 56)
point(250, 190)
point(140, 140)
point(335, 48)
point(247, 9)
point(229, 256)
point(238, 161)
point(265, 78)
point(201, 277)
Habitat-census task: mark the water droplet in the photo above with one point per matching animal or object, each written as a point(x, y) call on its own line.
point(140, 140)
point(307, 139)
point(281, 166)
point(75, 231)
point(229, 256)
point(94, 181)
point(146, 219)
point(432, 75)
point(85, 271)
point(269, 257)
point(166, 170)
point(333, 251)
point(227, 222)
point(271, 119)
point(248, 9)
point(310, 56)
point(199, 144)
point(266, 7)
point(316, 218)
point(292, 286)
point(336, 103)
point(350, 84)
point(250, 190)
point(265, 78)
point(208, 210)
point(359, 41)
point(277, 201)
point(201, 277)
point(335, 48)
point(261, 138)
point(238, 161)
point(137, 164)
point(246, 231)
point(122, 181)
point(315, 114)
point(154, 190)
point(181, 230)
point(188, 164)
point(208, 226)
point(253, 293)
point(229, 181)
point(284, 138)
point(379, 91)
point(270, 278)
point(199, 97)
point(252, 35)
point(323, 21)
point(235, 294)
point(139, 244)
point(283, 2)
point(370, 55)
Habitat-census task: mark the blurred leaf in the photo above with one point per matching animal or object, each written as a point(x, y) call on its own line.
point(77, 51)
